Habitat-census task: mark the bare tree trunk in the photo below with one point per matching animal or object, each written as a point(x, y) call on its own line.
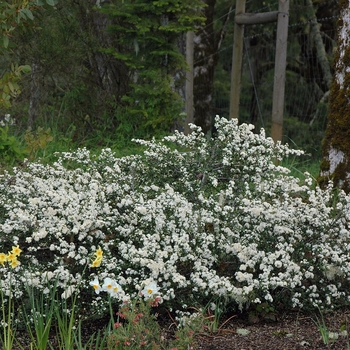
point(34, 99)
point(207, 43)
point(108, 71)
point(336, 144)
point(189, 82)
point(109, 77)
point(320, 49)
point(205, 59)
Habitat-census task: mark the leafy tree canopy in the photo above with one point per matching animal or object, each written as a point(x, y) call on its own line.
point(13, 14)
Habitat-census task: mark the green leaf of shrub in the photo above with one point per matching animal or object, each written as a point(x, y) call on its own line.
point(28, 13)
point(26, 68)
point(6, 41)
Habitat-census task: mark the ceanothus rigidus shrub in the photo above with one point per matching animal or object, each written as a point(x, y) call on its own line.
point(203, 219)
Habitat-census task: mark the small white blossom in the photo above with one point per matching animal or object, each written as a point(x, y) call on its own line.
point(150, 290)
point(96, 285)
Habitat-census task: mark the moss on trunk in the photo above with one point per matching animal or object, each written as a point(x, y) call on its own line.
point(335, 164)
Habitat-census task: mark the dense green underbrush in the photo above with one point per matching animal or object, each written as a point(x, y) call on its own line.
point(206, 221)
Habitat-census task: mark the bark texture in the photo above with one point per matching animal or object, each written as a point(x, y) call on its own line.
point(336, 144)
point(205, 59)
point(35, 93)
point(320, 48)
point(109, 77)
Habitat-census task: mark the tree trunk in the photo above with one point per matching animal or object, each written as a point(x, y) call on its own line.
point(205, 59)
point(111, 75)
point(34, 100)
point(336, 144)
point(320, 49)
point(189, 83)
point(109, 78)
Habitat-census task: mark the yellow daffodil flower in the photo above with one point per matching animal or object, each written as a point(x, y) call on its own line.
point(16, 250)
point(97, 262)
point(99, 253)
point(14, 263)
point(3, 258)
point(11, 256)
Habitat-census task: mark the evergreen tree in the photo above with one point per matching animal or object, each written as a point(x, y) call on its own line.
point(145, 39)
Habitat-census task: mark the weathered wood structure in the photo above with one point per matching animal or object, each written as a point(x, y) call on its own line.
point(241, 19)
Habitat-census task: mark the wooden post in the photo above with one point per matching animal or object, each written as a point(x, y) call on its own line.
point(237, 62)
point(280, 70)
point(241, 19)
point(189, 82)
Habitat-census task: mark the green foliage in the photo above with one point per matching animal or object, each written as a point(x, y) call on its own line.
point(137, 328)
point(10, 147)
point(82, 85)
point(66, 316)
point(146, 35)
point(322, 327)
point(38, 315)
point(263, 311)
point(8, 336)
point(96, 341)
point(297, 133)
point(37, 140)
point(149, 31)
point(72, 77)
point(12, 15)
point(9, 87)
point(153, 105)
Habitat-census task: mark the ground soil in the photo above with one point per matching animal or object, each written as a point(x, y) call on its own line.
point(290, 331)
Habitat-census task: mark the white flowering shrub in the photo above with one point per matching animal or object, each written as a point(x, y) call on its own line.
point(201, 218)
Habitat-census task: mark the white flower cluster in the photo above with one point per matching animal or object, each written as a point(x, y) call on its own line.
point(111, 286)
point(7, 121)
point(202, 218)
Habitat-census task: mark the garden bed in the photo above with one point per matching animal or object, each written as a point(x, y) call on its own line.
point(216, 227)
point(292, 330)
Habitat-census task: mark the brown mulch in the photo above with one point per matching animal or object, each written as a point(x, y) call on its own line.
point(288, 332)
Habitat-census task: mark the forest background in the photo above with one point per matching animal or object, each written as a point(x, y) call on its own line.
point(105, 72)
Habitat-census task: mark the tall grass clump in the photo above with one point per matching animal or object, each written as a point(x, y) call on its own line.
point(214, 219)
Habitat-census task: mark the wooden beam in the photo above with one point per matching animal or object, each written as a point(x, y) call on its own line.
point(256, 18)
point(280, 70)
point(237, 54)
